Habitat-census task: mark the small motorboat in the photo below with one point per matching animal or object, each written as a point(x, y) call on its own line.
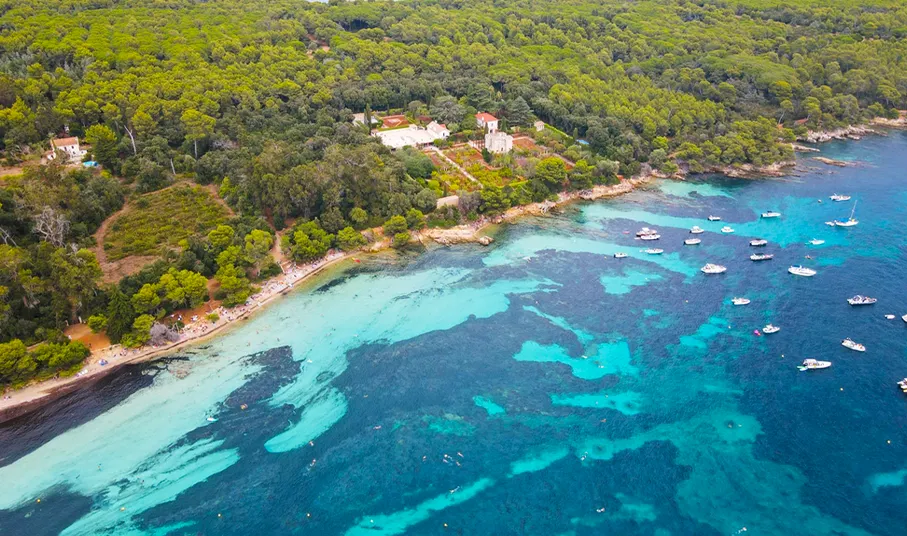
point(697, 230)
point(620, 255)
point(714, 218)
point(771, 214)
point(764, 257)
point(758, 242)
point(740, 301)
point(802, 271)
point(890, 317)
point(646, 231)
point(692, 241)
point(727, 229)
point(837, 197)
point(650, 237)
point(769, 329)
point(655, 251)
point(847, 343)
point(713, 269)
point(861, 300)
point(816, 242)
point(813, 364)
point(904, 318)
point(211, 419)
point(903, 385)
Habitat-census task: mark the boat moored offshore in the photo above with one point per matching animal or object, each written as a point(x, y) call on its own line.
point(692, 241)
point(620, 255)
point(816, 242)
point(714, 218)
point(727, 229)
point(848, 343)
point(771, 214)
point(850, 222)
point(765, 257)
point(713, 269)
point(861, 300)
point(697, 230)
point(814, 364)
point(655, 251)
point(802, 271)
point(837, 197)
point(740, 301)
point(769, 329)
point(759, 242)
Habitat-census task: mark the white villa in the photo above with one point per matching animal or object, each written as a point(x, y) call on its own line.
point(68, 148)
point(487, 121)
point(498, 142)
point(413, 136)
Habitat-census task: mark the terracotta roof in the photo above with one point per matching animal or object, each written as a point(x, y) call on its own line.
point(61, 142)
point(486, 117)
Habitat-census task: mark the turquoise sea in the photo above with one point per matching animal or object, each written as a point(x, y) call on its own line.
point(538, 386)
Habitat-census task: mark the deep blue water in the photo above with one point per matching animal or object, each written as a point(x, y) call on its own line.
point(538, 386)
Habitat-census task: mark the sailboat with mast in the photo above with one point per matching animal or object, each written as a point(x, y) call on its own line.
point(850, 221)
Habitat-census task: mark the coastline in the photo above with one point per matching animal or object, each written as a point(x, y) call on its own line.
point(35, 395)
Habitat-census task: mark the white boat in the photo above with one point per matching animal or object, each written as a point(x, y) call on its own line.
point(769, 329)
point(850, 221)
point(847, 343)
point(692, 241)
point(771, 214)
point(830, 223)
point(646, 231)
point(837, 197)
point(655, 251)
point(890, 317)
point(211, 419)
point(740, 301)
point(758, 242)
point(816, 242)
point(765, 257)
point(802, 271)
point(650, 237)
point(713, 269)
point(714, 218)
point(861, 300)
point(620, 255)
point(697, 230)
point(904, 318)
point(813, 364)
point(727, 229)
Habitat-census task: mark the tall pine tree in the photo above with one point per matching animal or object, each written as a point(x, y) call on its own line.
point(120, 316)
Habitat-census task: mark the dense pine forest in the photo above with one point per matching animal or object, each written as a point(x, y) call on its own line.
point(232, 121)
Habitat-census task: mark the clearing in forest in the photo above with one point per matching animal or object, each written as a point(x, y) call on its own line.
point(159, 220)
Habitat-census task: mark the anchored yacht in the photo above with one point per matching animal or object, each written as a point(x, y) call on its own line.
point(769, 329)
point(758, 242)
point(837, 197)
point(816, 242)
point(765, 257)
point(802, 271)
point(850, 221)
point(861, 300)
point(692, 241)
point(714, 218)
point(655, 251)
point(713, 269)
point(847, 343)
point(620, 255)
point(813, 364)
point(740, 301)
point(771, 214)
point(727, 229)
point(697, 230)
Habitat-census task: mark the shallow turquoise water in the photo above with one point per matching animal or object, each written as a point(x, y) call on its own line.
point(538, 386)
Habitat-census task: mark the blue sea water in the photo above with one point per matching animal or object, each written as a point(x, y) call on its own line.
point(538, 386)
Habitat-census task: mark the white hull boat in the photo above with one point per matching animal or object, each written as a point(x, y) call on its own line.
point(650, 237)
point(713, 269)
point(620, 255)
point(816, 242)
point(758, 242)
point(904, 318)
point(692, 241)
point(766, 257)
point(769, 329)
point(830, 223)
point(847, 343)
point(714, 218)
point(771, 214)
point(861, 300)
point(802, 271)
point(813, 364)
point(646, 231)
point(697, 230)
point(727, 229)
point(837, 197)
point(655, 251)
point(740, 301)
point(850, 221)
